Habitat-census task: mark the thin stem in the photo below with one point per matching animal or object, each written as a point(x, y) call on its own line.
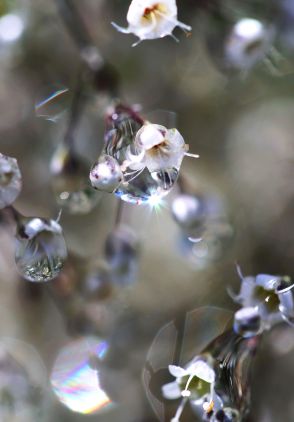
point(181, 182)
point(104, 76)
point(180, 409)
point(77, 29)
point(119, 213)
point(75, 113)
point(74, 23)
point(13, 214)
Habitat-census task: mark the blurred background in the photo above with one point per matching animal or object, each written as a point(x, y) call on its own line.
point(240, 123)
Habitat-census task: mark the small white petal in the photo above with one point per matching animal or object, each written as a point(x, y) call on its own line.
point(268, 282)
point(202, 370)
point(247, 289)
point(171, 391)
point(150, 135)
point(177, 371)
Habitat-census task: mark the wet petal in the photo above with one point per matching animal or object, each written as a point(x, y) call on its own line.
point(171, 391)
point(177, 371)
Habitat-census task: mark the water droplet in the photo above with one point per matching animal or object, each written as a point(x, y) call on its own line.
point(139, 183)
point(53, 102)
point(10, 180)
point(23, 381)
point(247, 322)
point(75, 377)
point(106, 174)
point(188, 211)
point(121, 253)
point(40, 249)
point(70, 182)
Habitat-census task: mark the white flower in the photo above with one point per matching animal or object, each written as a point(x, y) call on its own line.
point(271, 295)
point(156, 148)
point(248, 43)
point(202, 393)
point(150, 19)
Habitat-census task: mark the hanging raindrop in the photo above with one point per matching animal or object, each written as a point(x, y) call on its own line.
point(40, 249)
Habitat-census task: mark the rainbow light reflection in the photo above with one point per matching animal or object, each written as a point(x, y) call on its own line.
point(75, 382)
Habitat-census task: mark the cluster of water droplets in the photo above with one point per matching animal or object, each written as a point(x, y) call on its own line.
point(113, 171)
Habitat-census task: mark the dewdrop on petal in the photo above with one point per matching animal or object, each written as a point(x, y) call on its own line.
point(40, 249)
point(158, 148)
point(10, 180)
point(140, 162)
point(247, 322)
point(106, 174)
point(151, 19)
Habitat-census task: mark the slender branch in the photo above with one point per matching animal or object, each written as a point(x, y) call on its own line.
point(104, 75)
point(75, 113)
point(74, 23)
point(119, 213)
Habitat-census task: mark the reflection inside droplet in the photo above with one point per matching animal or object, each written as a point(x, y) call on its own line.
point(75, 376)
point(53, 102)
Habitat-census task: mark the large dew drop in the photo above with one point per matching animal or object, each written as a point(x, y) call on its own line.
point(40, 249)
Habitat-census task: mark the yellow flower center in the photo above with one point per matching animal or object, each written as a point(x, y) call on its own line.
point(157, 8)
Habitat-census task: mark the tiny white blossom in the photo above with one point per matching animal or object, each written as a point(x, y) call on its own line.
point(150, 19)
point(197, 368)
point(157, 148)
point(248, 43)
point(271, 295)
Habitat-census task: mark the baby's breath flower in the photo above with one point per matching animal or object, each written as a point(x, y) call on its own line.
point(194, 382)
point(157, 148)
point(271, 295)
point(248, 43)
point(150, 19)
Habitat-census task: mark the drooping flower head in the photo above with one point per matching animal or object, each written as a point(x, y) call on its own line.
point(157, 148)
point(196, 383)
point(150, 19)
point(271, 295)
